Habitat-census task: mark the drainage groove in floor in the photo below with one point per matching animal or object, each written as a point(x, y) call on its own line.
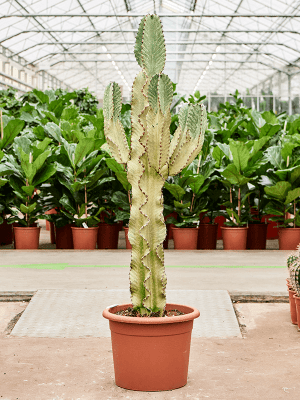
point(78, 313)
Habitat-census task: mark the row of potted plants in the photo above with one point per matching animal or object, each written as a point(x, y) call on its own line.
point(53, 156)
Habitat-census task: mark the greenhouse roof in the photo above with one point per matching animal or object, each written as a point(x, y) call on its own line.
point(214, 46)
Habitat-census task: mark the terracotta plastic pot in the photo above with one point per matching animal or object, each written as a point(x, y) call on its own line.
point(272, 231)
point(170, 226)
point(257, 236)
point(6, 233)
point(108, 236)
point(84, 238)
point(288, 238)
point(64, 238)
point(293, 310)
point(151, 354)
point(297, 302)
point(207, 236)
point(52, 211)
point(185, 238)
point(220, 220)
point(234, 238)
point(128, 245)
point(27, 237)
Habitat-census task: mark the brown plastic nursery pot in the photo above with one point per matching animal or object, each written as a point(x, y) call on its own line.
point(27, 237)
point(257, 236)
point(297, 302)
point(288, 238)
point(64, 238)
point(6, 233)
point(151, 354)
point(185, 238)
point(108, 236)
point(128, 245)
point(234, 238)
point(293, 310)
point(84, 238)
point(207, 236)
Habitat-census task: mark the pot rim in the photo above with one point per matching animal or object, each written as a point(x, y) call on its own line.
point(150, 321)
point(184, 228)
point(26, 227)
point(207, 223)
point(90, 227)
point(297, 228)
point(234, 227)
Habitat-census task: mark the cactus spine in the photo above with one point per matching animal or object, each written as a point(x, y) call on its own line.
point(151, 159)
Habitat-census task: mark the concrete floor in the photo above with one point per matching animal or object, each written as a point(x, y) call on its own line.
point(263, 365)
point(93, 272)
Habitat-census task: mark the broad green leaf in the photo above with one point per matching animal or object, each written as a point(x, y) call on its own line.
point(287, 150)
point(273, 155)
point(225, 149)
point(292, 195)
point(269, 130)
point(40, 161)
point(28, 209)
point(3, 181)
point(218, 154)
point(69, 113)
point(113, 165)
point(233, 176)
point(41, 96)
point(82, 149)
point(181, 206)
point(27, 167)
point(44, 174)
point(11, 130)
point(44, 144)
point(122, 177)
point(258, 144)
point(65, 202)
point(295, 174)
point(240, 154)
point(54, 131)
point(196, 184)
point(177, 191)
point(278, 191)
point(28, 190)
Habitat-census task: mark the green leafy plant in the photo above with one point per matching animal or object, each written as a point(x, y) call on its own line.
point(151, 158)
point(28, 167)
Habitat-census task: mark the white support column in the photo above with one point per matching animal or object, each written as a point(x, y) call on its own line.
point(290, 93)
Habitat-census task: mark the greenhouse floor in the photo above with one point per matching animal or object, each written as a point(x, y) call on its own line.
point(261, 362)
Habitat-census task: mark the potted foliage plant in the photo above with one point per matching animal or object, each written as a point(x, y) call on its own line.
point(9, 129)
point(29, 167)
point(243, 159)
point(283, 192)
point(122, 212)
point(187, 207)
point(115, 200)
point(150, 351)
point(79, 172)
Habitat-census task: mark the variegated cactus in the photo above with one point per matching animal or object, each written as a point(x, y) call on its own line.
point(151, 159)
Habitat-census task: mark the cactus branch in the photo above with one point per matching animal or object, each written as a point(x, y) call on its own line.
point(150, 160)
